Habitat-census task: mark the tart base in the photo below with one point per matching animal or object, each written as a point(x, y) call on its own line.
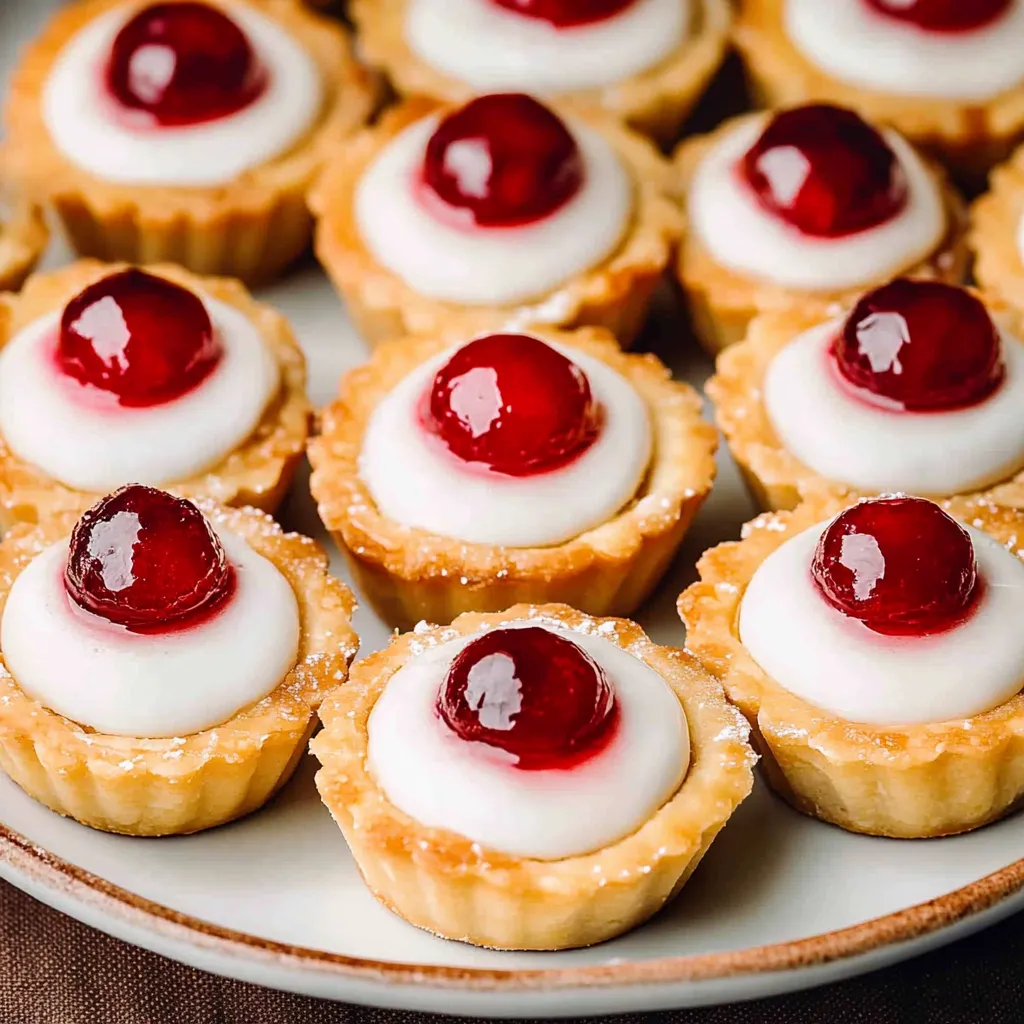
point(995, 219)
point(455, 888)
point(409, 574)
point(968, 137)
point(23, 240)
point(655, 102)
point(615, 294)
point(151, 787)
point(907, 781)
point(251, 228)
point(722, 302)
point(258, 473)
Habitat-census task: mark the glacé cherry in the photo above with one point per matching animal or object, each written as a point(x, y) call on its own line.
point(923, 346)
point(502, 160)
point(183, 63)
point(531, 692)
point(943, 15)
point(900, 565)
point(512, 403)
point(143, 338)
point(567, 13)
point(148, 561)
point(825, 171)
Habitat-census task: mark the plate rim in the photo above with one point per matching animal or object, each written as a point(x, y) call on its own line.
point(29, 860)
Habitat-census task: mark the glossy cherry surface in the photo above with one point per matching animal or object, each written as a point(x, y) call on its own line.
point(514, 404)
point(923, 346)
point(146, 560)
point(144, 339)
point(566, 13)
point(531, 692)
point(942, 15)
point(825, 171)
point(502, 160)
point(900, 565)
point(183, 63)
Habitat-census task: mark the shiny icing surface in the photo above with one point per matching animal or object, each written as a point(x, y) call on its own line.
point(416, 481)
point(840, 435)
point(174, 683)
point(476, 791)
point(114, 144)
point(838, 664)
point(740, 234)
point(497, 49)
point(498, 266)
point(83, 438)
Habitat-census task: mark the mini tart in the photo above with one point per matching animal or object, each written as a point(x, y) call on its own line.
point(250, 229)
point(777, 479)
point(150, 787)
point(902, 781)
point(445, 883)
point(970, 137)
point(615, 294)
point(408, 574)
point(995, 231)
point(722, 302)
point(655, 102)
point(258, 473)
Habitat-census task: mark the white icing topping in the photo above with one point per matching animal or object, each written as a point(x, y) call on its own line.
point(50, 420)
point(93, 132)
point(169, 684)
point(837, 663)
point(489, 266)
point(835, 433)
point(742, 235)
point(496, 49)
point(415, 480)
point(851, 41)
point(474, 789)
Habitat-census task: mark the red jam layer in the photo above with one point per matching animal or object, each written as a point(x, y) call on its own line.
point(501, 161)
point(512, 403)
point(139, 337)
point(183, 63)
point(147, 561)
point(900, 565)
point(825, 171)
point(532, 693)
point(566, 13)
point(942, 15)
point(922, 346)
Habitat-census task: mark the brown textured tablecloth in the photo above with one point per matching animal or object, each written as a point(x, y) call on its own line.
point(56, 971)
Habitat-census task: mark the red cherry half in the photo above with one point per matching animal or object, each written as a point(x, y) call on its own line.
point(566, 13)
point(530, 692)
point(900, 565)
point(503, 160)
point(942, 15)
point(825, 171)
point(140, 337)
point(146, 560)
point(184, 63)
point(514, 404)
point(924, 346)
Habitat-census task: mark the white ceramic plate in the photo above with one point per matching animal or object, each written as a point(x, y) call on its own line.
point(780, 902)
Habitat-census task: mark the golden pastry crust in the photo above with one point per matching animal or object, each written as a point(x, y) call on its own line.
point(722, 302)
point(183, 784)
point(655, 101)
point(23, 239)
point(408, 574)
point(251, 228)
point(904, 781)
point(995, 217)
point(968, 136)
point(615, 294)
point(776, 477)
point(449, 885)
point(256, 473)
